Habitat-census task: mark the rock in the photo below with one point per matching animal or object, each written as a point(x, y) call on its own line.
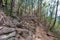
point(3, 37)
point(6, 30)
point(8, 36)
point(13, 34)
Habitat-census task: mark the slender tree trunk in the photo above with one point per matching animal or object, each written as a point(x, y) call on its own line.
point(12, 5)
point(55, 16)
point(0, 3)
point(39, 9)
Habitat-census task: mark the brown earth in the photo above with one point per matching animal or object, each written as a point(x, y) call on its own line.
point(25, 28)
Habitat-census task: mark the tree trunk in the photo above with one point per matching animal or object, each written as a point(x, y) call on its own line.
point(55, 16)
point(0, 3)
point(39, 9)
point(12, 5)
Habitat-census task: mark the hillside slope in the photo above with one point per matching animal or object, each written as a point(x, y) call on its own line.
point(25, 28)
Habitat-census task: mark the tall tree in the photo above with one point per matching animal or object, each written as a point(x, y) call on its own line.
point(0, 3)
point(12, 5)
point(55, 16)
point(39, 8)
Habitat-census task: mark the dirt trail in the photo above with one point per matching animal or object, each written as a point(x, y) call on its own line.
point(27, 28)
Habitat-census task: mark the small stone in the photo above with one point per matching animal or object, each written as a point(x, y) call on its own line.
point(10, 35)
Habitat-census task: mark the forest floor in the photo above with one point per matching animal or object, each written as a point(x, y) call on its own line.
point(25, 28)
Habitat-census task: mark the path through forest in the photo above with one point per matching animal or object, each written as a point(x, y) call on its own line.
point(25, 28)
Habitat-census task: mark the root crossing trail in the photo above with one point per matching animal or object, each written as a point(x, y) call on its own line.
point(26, 28)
